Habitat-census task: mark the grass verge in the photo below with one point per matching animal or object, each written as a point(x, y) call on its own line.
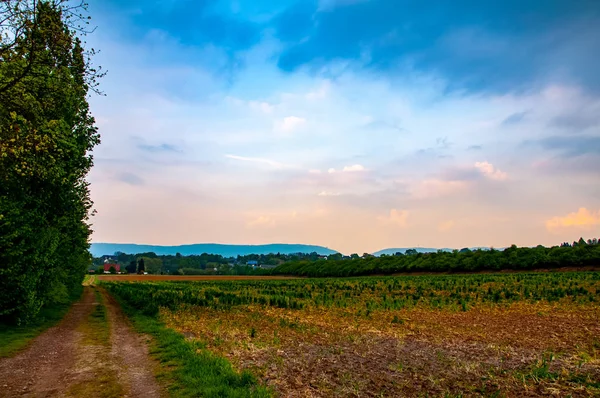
point(188, 368)
point(94, 351)
point(16, 338)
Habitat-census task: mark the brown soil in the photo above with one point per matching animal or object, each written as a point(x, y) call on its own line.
point(155, 278)
point(75, 358)
point(487, 351)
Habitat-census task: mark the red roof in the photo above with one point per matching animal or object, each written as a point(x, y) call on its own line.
point(107, 267)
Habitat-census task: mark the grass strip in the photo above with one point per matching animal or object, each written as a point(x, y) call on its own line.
point(16, 338)
point(189, 369)
point(95, 343)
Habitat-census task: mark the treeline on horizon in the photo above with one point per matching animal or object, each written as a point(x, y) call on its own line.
point(580, 253)
point(512, 258)
point(200, 264)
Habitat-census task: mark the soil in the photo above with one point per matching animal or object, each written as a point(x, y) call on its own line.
point(71, 359)
point(482, 352)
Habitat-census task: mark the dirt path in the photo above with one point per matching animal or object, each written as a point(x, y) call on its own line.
point(93, 352)
point(130, 349)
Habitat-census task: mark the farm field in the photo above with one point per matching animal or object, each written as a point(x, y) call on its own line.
point(156, 278)
point(470, 335)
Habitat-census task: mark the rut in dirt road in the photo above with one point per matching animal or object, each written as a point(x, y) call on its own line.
point(93, 352)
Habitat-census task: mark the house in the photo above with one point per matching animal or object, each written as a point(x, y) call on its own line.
point(108, 265)
point(252, 263)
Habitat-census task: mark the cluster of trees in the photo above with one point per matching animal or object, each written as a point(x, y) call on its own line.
point(46, 135)
point(204, 263)
point(581, 242)
point(465, 260)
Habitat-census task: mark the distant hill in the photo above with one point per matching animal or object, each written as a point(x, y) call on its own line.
point(100, 249)
point(422, 250)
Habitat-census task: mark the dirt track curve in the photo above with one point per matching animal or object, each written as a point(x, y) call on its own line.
point(84, 355)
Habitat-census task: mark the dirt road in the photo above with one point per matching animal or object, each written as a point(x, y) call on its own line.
point(93, 352)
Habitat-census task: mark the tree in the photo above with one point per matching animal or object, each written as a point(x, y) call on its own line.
point(131, 268)
point(46, 135)
point(112, 270)
point(141, 266)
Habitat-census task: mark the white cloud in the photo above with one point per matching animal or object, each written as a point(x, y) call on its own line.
point(326, 193)
point(291, 123)
point(348, 169)
point(320, 93)
point(355, 167)
point(272, 163)
point(263, 107)
point(489, 171)
point(314, 171)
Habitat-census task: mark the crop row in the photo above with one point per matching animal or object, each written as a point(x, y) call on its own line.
point(372, 293)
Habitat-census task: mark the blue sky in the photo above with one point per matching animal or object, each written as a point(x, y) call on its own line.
point(353, 124)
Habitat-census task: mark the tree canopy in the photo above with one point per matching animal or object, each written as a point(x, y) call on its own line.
point(46, 135)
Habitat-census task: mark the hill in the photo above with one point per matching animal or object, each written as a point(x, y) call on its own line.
point(99, 249)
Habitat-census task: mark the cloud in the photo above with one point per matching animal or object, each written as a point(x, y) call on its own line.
point(261, 222)
point(489, 171)
point(467, 43)
point(159, 148)
point(582, 219)
point(572, 146)
point(348, 169)
point(263, 107)
point(319, 93)
point(272, 163)
point(435, 188)
point(130, 178)
point(446, 226)
point(327, 193)
point(396, 217)
point(515, 118)
point(475, 148)
point(291, 123)
point(354, 167)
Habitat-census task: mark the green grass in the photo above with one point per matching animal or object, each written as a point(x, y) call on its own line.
point(188, 368)
point(16, 338)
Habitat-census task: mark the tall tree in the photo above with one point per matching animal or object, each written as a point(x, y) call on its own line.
point(46, 135)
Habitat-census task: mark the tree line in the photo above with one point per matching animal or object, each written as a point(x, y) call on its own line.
point(46, 135)
point(580, 253)
point(465, 260)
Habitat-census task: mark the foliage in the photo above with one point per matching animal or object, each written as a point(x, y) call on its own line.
point(512, 258)
point(46, 134)
point(372, 293)
point(15, 338)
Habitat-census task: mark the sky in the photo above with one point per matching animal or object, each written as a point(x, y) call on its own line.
point(353, 124)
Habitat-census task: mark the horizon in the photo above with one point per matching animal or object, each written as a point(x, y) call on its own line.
point(325, 247)
point(354, 125)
